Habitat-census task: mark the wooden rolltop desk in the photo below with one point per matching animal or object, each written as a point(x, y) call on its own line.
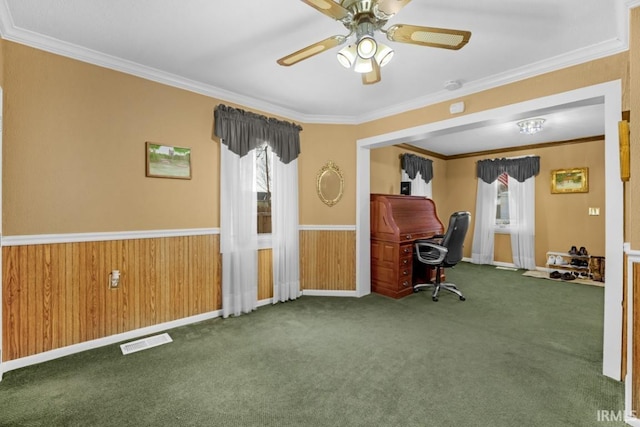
point(396, 222)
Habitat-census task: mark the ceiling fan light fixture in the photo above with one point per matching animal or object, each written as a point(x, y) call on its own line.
point(367, 47)
point(384, 54)
point(347, 56)
point(363, 65)
point(530, 126)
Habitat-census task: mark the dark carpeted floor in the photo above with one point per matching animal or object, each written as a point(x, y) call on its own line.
point(519, 352)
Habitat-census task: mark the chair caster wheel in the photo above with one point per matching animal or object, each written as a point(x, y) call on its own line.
point(462, 298)
point(435, 298)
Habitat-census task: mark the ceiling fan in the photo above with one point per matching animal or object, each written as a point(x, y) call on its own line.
point(363, 18)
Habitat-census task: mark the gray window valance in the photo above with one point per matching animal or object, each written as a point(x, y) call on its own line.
point(520, 169)
point(243, 131)
point(413, 164)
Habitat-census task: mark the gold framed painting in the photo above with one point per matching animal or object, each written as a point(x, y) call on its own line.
point(574, 180)
point(167, 161)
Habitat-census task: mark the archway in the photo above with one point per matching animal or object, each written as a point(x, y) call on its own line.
point(610, 94)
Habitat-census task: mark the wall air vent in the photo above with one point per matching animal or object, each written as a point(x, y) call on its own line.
point(145, 343)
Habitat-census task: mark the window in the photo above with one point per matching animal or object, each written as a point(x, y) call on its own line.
point(264, 171)
point(502, 206)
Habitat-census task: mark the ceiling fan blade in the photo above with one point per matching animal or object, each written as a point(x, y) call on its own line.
point(329, 8)
point(311, 50)
point(427, 36)
point(372, 76)
point(385, 9)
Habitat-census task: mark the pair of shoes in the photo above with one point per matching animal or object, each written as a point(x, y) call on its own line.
point(568, 276)
point(559, 260)
point(556, 260)
point(583, 251)
point(555, 275)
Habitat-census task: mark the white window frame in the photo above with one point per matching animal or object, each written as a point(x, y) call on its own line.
point(501, 228)
point(264, 239)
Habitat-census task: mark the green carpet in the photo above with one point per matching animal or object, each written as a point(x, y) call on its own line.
point(519, 352)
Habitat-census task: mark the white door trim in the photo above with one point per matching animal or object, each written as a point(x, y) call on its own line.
point(1, 275)
point(610, 94)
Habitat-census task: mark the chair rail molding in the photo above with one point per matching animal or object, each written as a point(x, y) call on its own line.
point(47, 239)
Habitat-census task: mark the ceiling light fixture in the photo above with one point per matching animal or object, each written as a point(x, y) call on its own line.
point(362, 54)
point(363, 18)
point(366, 50)
point(530, 126)
point(347, 56)
point(367, 47)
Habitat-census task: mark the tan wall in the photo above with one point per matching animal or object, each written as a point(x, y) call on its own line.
point(561, 219)
point(320, 144)
point(74, 152)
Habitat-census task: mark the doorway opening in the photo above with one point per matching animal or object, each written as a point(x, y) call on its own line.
point(610, 95)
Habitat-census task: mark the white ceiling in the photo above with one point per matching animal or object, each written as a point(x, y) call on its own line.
point(229, 50)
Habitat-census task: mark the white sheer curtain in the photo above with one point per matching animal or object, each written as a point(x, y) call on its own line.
point(238, 232)
point(284, 231)
point(240, 133)
point(485, 222)
point(521, 173)
point(418, 186)
point(522, 222)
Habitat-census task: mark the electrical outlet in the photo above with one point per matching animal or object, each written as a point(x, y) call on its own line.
point(594, 211)
point(114, 279)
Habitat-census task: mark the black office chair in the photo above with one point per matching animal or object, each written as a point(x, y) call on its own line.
point(443, 251)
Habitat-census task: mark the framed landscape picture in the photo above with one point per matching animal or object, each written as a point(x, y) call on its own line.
point(574, 180)
point(168, 161)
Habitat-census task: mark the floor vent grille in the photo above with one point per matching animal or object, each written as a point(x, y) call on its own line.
point(145, 343)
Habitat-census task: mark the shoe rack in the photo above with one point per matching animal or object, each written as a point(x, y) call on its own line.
point(563, 262)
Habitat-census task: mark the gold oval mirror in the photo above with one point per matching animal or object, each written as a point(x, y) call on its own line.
point(330, 184)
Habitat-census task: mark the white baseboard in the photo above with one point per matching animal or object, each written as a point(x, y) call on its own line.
point(101, 342)
point(322, 293)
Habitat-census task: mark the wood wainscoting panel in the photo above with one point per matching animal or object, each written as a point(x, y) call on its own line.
point(635, 387)
point(265, 274)
point(328, 260)
point(56, 295)
point(625, 278)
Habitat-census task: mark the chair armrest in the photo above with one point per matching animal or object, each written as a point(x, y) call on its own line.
point(430, 253)
point(436, 238)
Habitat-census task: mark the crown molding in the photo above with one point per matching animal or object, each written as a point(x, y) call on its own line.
point(9, 31)
point(576, 57)
point(49, 44)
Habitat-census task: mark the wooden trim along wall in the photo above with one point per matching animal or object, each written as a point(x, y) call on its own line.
point(56, 295)
point(635, 355)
